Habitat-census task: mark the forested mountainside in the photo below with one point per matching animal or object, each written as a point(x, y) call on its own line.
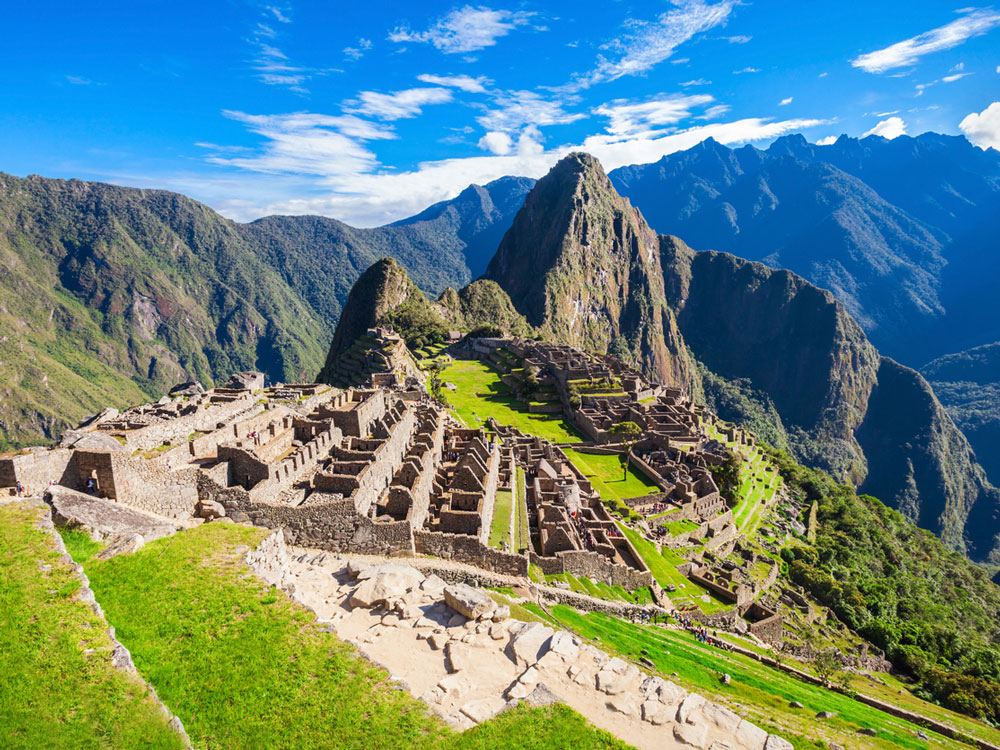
point(110, 295)
point(968, 384)
point(772, 348)
point(903, 232)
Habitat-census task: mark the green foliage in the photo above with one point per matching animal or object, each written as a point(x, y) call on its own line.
point(727, 478)
point(418, 324)
point(935, 614)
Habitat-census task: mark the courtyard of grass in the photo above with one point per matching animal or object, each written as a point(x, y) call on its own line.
point(244, 666)
point(500, 529)
point(58, 688)
point(480, 394)
point(607, 477)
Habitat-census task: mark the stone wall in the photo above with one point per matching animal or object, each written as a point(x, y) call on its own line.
point(153, 488)
point(769, 629)
point(334, 526)
point(36, 469)
point(600, 568)
point(469, 549)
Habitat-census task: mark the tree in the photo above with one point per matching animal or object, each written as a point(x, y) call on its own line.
point(827, 664)
point(436, 368)
point(629, 432)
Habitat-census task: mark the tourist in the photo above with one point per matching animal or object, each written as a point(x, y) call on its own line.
point(91, 486)
point(20, 489)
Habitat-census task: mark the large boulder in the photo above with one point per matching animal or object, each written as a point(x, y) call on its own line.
point(82, 440)
point(386, 582)
point(104, 519)
point(187, 388)
point(473, 603)
point(529, 643)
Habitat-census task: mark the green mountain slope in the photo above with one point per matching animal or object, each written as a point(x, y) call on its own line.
point(968, 385)
point(110, 295)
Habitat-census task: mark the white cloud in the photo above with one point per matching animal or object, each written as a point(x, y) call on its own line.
point(399, 104)
point(81, 81)
point(696, 82)
point(308, 144)
point(955, 77)
point(828, 141)
point(738, 39)
point(974, 23)
point(496, 143)
point(371, 196)
point(890, 128)
point(280, 14)
point(785, 102)
point(746, 70)
point(475, 85)
point(465, 29)
point(358, 51)
point(983, 129)
point(514, 109)
point(650, 43)
point(625, 119)
point(714, 112)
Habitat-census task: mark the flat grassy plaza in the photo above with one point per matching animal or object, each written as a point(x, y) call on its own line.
point(479, 394)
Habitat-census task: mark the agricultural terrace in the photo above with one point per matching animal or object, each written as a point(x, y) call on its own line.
point(480, 394)
point(760, 690)
point(759, 481)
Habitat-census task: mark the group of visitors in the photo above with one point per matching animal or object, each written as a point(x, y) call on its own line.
point(702, 634)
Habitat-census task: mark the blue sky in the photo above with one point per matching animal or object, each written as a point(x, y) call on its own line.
point(371, 111)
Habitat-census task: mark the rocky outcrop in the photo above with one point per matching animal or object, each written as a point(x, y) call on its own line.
point(105, 519)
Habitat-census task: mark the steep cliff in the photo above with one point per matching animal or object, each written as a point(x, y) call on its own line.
point(583, 266)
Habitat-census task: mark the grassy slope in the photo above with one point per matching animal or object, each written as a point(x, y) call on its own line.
point(51, 693)
point(759, 691)
point(472, 378)
point(245, 667)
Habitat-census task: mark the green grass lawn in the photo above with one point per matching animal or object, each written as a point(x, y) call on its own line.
point(520, 532)
point(500, 528)
point(52, 695)
point(472, 378)
point(245, 667)
point(761, 691)
point(606, 475)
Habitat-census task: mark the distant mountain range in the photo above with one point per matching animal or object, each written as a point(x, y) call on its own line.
point(903, 232)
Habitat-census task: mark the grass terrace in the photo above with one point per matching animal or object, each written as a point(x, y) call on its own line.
point(757, 690)
point(480, 394)
point(243, 666)
point(500, 530)
point(59, 688)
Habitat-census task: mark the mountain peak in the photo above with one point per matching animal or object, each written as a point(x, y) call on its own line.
point(579, 262)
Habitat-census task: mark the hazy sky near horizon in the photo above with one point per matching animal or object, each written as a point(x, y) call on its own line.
point(369, 112)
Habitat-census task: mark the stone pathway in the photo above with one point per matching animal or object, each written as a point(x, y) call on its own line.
point(454, 648)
